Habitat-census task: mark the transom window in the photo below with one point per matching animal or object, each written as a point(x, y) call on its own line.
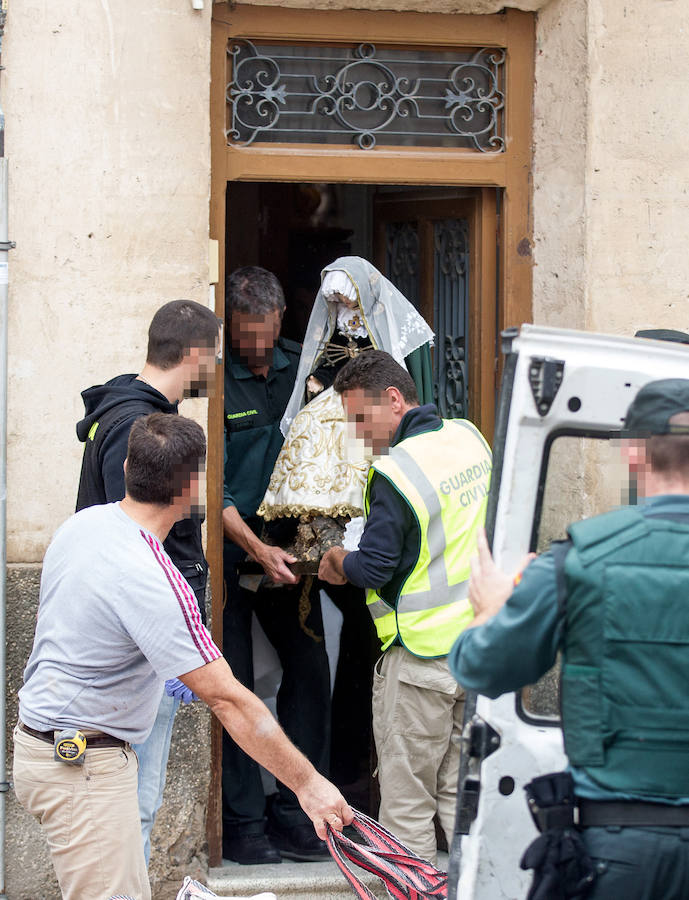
point(366, 95)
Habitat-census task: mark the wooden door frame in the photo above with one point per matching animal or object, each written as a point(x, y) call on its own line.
point(509, 171)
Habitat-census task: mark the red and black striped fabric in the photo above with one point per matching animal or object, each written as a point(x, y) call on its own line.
point(405, 875)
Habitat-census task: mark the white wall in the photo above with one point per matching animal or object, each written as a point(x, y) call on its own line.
point(107, 111)
point(560, 164)
point(475, 7)
point(611, 171)
point(107, 134)
point(638, 198)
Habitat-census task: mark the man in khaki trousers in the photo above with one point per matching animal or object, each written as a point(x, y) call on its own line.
point(116, 619)
point(425, 501)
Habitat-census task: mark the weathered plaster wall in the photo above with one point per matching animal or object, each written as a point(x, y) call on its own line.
point(638, 169)
point(560, 163)
point(107, 135)
point(475, 7)
point(611, 201)
point(107, 111)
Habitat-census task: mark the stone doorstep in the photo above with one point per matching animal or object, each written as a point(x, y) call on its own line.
point(289, 881)
point(294, 881)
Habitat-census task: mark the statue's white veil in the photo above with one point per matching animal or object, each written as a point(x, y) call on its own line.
point(393, 324)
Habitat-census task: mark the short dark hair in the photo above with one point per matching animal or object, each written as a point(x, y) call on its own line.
point(669, 453)
point(252, 289)
point(163, 453)
point(376, 370)
point(178, 326)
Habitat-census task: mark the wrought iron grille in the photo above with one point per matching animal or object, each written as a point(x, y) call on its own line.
point(367, 95)
point(451, 316)
point(402, 258)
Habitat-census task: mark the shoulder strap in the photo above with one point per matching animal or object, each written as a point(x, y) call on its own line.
point(682, 518)
point(560, 549)
point(596, 537)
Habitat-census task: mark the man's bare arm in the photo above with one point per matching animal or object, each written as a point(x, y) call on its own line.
point(273, 559)
point(249, 722)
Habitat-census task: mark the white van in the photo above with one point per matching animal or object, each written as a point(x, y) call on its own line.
point(563, 400)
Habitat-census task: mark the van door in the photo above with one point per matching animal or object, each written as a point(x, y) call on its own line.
point(562, 404)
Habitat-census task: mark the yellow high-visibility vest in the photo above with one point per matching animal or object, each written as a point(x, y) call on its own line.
point(443, 476)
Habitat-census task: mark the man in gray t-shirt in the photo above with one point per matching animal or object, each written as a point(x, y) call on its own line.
point(110, 677)
point(115, 620)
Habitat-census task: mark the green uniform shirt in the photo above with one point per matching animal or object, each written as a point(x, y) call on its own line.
point(254, 406)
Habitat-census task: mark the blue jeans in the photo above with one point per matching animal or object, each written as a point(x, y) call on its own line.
point(153, 754)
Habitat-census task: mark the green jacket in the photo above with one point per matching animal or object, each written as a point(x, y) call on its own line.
point(254, 406)
point(625, 702)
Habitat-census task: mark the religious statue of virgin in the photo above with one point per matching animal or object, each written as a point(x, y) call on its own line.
point(320, 474)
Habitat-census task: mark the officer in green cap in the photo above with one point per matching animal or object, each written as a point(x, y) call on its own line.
point(614, 599)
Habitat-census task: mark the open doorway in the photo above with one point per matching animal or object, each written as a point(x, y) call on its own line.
point(430, 242)
point(438, 246)
point(294, 230)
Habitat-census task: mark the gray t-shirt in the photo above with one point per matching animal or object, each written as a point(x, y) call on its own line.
point(115, 620)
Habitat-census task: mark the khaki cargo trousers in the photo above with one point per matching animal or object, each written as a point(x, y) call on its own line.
point(417, 710)
point(90, 816)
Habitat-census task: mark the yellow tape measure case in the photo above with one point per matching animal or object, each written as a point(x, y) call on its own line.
point(70, 746)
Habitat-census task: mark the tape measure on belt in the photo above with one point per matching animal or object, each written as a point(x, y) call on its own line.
point(70, 746)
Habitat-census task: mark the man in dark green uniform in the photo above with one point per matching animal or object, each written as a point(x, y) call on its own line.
point(614, 598)
point(259, 376)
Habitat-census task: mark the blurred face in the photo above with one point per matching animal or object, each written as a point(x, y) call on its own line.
point(634, 453)
point(200, 370)
point(191, 492)
point(253, 337)
point(340, 298)
point(373, 415)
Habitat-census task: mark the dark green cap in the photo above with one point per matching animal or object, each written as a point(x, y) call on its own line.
point(655, 404)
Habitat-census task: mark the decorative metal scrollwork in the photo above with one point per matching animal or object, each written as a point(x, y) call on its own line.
point(452, 387)
point(402, 247)
point(451, 246)
point(324, 94)
point(451, 315)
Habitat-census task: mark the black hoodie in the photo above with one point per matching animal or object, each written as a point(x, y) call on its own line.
point(111, 409)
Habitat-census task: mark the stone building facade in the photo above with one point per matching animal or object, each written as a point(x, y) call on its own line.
point(108, 135)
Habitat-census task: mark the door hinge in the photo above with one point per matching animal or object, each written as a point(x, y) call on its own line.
point(545, 378)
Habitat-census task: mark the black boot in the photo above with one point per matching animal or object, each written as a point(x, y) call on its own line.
point(299, 842)
point(250, 850)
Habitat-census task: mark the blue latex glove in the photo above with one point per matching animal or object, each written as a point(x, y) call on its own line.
point(176, 688)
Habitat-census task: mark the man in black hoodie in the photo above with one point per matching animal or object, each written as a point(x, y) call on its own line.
point(183, 344)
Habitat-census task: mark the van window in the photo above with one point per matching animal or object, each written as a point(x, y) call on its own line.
point(581, 476)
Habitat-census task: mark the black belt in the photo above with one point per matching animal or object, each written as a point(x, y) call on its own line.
point(630, 813)
point(92, 740)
